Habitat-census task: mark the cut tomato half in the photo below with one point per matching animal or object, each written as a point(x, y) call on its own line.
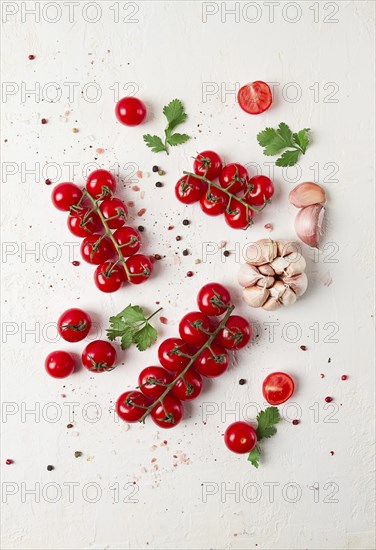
point(255, 98)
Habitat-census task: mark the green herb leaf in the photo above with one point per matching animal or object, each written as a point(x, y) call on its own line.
point(266, 420)
point(132, 327)
point(275, 141)
point(288, 158)
point(175, 114)
point(126, 338)
point(155, 143)
point(145, 337)
point(254, 457)
point(302, 139)
point(130, 315)
point(285, 133)
point(266, 136)
point(177, 139)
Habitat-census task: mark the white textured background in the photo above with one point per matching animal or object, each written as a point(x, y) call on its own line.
point(170, 52)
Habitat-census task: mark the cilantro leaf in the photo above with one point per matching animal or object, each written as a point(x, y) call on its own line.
point(285, 133)
point(174, 112)
point(126, 338)
point(145, 337)
point(155, 143)
point(254, 457)
point(132, 327)
point(266, 420)
point(288, 158)
point(302, 139)
point(175, 115)
point(266, 136)
point(274, 141)
point(131, 314)
point(177, 139)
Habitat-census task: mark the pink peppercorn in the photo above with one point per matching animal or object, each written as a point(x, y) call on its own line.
point(31, 57)
point(43, 121)
point(9, 461)
point(328, 399)
point(344, 377)
point(295, 422)
point(189, 273)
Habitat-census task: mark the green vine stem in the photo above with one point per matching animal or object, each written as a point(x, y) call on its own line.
point(192, 360)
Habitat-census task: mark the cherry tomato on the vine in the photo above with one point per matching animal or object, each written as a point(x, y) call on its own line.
point(235, 334)
point(213, 299)
point(126, 406)
point(234, 177)
point(152, 381)
point(212, 362)
point(208, 164)
point(240, 437)
point(255, 98)
point(99, 356)
point(277, 388)
point(83, 222)
point(109, 277)
point(100, 183)
point(74, 325)
point(189, 189)
point(114, 211)
point(168, 413)
point(238, 216)
point(139, 267)
point(59, 364)
point(128, 239)
point(66, 195)
point(189, 386)
point(130, 111)
point(194, 328)
point(96, 249)
point(174, 354)
point(214, 202)
point(263, 189)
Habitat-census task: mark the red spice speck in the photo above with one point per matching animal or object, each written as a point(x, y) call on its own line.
point(163, 320)
point(153, 460)
point(9, 461)
point(31, 57)
point(135, 188)
point(332, 453)
point(170, 227)
point(141, 212)
point(344, 377)
point(295, 422)
point(75, 263)
point(48, 182)
point(268, 226)
point(189, 273)
point(303, 348)
point(43, 121)
point(69, 425)
point(328, 399)
point(130, 204)
point(322, 375)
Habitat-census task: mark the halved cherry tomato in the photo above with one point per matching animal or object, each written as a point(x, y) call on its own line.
point(277, 388)
point(189, 189)
point(208, 164)
point(214, 202)
point(255, 98)
point(234, 178)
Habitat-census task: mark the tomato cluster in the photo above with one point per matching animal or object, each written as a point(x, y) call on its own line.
point(200, 351)
point(235, 195)
point(99, 218)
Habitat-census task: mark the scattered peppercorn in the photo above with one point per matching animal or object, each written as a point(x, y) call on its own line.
point(242, 381)
point(344, 377)
point(69, 425)
point(48, 182)
point(43, 121)
point(303, 348)
point(185, 252)
point(50, 467)
point(77, 454)
point(189, 273)
point(186, 222)
point(31, 57)
point(226, 253)
point(159, 184)
point(157, 256)
point(332, 453)
point(328, 399)
point(295, 422)
point(161, 172)
point(75, 263)
point(141, 228)
point(75, 130)
point(322, 375)
point(9, 461)
point(155, 168)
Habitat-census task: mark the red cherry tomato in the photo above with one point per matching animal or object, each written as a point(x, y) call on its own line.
point(240, 437)
point(194, 328)
point(255, 98)
point(238, 216)
point(208, 164)
point(168, 414)
point(126, 406)
point(115, 212)
point(189, 189)
point(66, 195)
point(139, 267)
point(152, 381)
point(74, 325)
point(109, 277)
point(130, 111)
point(128, 239)
point(59, 364)
point(212, 362)
point(100, 183)
point(214, 202)
point(234, 177)
point(99, 356)
point(235, 334)
point(277, 388)
point(188, 388)
point(174, 354)
point(213, 299)
point(83, 222)
point(96, 249)
point(261, 189)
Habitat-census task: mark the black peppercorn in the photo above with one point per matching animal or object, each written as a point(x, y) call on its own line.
point(185, 252)
point(242, 381)
point(155, 168)
point(49, 467)
point(226, 253)
point(186, 222)
point(159, 184)
point(141, 228)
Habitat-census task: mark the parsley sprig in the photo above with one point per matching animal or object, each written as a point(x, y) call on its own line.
point(266, 428)
point(274, 141)
point(132, 327)
point(175, 114)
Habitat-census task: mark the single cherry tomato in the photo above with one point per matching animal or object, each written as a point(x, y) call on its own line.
point(59, 364)
point(240, 437)
point(238, 216)
point(189, 189)
point(109, 277)
point(83, 222)
point(208, 164)
point(74, 325)
point(152, 381)
point(189, 386)
point(130, 111)
point(128, 239)
point(99, 356)
point(168, 413)
point(235, 334)
point(212, 362)
point(213, 299)
point(139, 267)
point(100, 183)
point(194, 328)
point(214, 202)
point(277, 388)
point(115, 212)
point(97, 249)
point(66, 195)
point(131, 406)
point(261, 189)
point(174, 354)
point(255, 98)
point(234, 178)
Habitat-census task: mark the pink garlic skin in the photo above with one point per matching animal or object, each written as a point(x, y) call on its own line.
point(308, 224)
point(307, 194)
point(248, 275)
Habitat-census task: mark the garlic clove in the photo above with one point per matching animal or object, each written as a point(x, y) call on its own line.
point(278, 290)
point(297, 283)
point(280, 264)
point(288, 297)
point(266, 270)
point(272, 304)
point(261, 252)
point(307, 194)
point(288, 247)
point(248, 275)
point(297, 264)
point(308, 224)
point(255, 296)
point(266, 281)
